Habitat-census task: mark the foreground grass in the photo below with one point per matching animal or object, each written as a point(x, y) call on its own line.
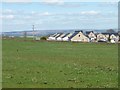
point(59, 64)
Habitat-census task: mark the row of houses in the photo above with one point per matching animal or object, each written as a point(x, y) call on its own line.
point(89, 36)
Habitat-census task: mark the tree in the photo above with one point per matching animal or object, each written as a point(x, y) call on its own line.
point(110, 31)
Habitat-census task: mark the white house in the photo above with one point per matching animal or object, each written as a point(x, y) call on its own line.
point(114, 38)
point(60, 37)
point(52, 37)
point(78, 36)
point(66, 37)
point(102, 37)
point(91, 36)
point(56, 36)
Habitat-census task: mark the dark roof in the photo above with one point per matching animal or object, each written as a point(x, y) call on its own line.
point(65, 35)
point(106, 33)
point(79, 31)
point(116, 34)
point(59, 35)
point(87, 36)
point(75, 33)
point(55, 34)
point(110, 34)
point(87, 32)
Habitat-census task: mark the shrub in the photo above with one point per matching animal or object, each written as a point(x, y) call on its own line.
point(43, 38)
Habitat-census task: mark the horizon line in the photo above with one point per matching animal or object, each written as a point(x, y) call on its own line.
point(59, 30)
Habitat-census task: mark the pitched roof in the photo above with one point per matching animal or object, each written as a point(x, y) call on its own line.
point(110, 34)
point(88, 32)
point(54, 34)
point(75, 33)
point(79, 31)
point(62, 35)
point(116, 34)
point(106, 33)
point(65, 35)
point(59, 35)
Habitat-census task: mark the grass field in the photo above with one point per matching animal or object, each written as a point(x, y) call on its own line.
point(59, 64)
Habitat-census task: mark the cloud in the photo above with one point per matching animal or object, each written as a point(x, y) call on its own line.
point(108, 4)
point(7, 17)
point(61, 3)
point(90, 12)
point(17, 0)
point(45, 14)
point(8, 11)
point(72, 5)
point(55, 2)
point(33, 12)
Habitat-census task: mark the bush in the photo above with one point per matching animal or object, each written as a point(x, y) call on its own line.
point(43, 38)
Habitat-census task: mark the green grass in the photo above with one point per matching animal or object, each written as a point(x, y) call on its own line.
point(59, 64)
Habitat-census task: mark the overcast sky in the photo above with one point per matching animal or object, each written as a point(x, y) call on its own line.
point(20, 16)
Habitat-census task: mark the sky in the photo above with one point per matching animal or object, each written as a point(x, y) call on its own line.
point(58, 15)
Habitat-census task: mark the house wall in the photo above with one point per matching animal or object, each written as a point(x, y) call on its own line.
point(80, 37)
point(67, 37)
point(101, 36)
point(107, 36)
point(91, 35)
point(60, 37)
point(113, 37)
point(51, 38)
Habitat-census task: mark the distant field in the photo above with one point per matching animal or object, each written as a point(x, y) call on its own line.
point(59, 64)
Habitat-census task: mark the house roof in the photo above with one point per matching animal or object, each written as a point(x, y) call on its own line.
point(116, 34)
point(79, 31)
point(65, 35)
point(110, 34)
point(59, 35)
point(106, 33)
point(75, 33)
point(54, 34)
point(62, 35)
point(88, 32)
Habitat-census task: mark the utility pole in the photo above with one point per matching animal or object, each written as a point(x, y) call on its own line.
point(33, 33)
point(25, 35)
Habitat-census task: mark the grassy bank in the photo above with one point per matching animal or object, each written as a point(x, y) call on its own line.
point(59, 64)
